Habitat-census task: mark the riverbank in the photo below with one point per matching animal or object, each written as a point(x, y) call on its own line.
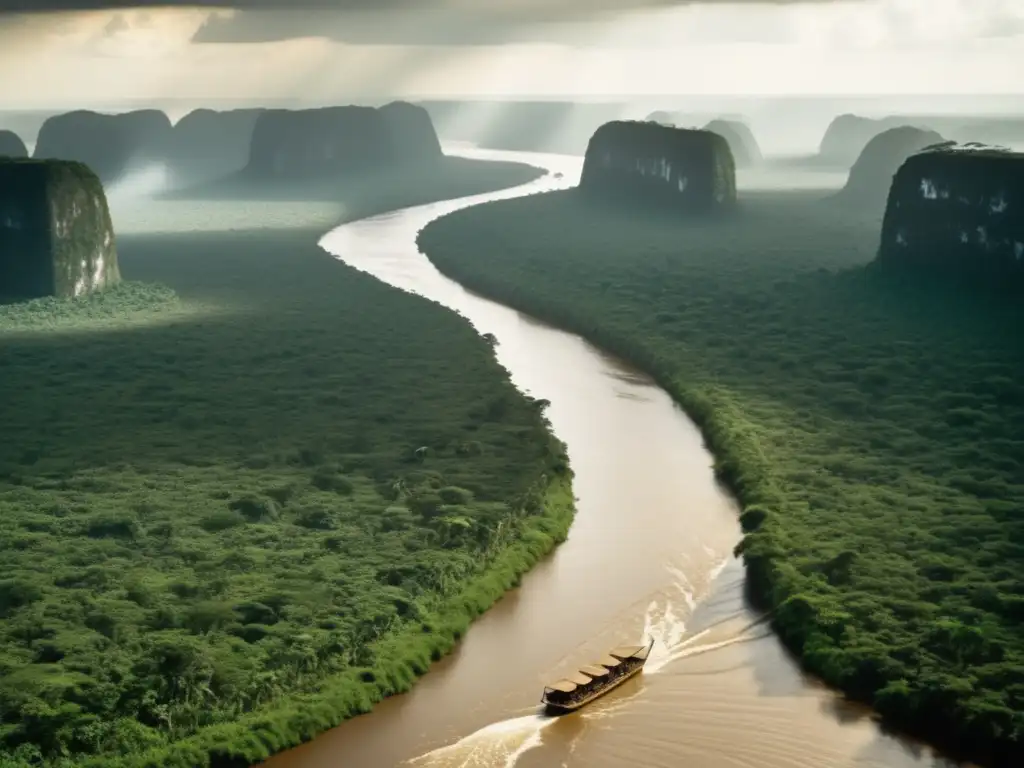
point(232, 523)
point(870, 429)
point(400, 659)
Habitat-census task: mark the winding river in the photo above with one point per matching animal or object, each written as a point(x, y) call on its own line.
point(649, 553)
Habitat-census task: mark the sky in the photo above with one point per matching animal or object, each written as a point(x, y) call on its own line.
point(452, 48)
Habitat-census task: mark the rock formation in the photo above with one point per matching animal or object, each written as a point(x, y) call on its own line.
point(959, 211)
point(111, 145)
point(745, 149)
point(340, 140)
point(685, 169)
point(412, 131)
point(56, 236)
point(661, 116)
point(206, 145)
point(11, 145)
point(25, 123)
point(871, 175)
point(847, 135)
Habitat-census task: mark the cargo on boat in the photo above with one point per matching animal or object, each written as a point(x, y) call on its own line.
point(596, 679)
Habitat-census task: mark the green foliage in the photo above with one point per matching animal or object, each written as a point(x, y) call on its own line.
point(870, 425)
point(110, 306)
point(207, 528)
point(70, 249)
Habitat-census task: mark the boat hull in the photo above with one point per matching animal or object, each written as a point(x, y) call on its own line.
point(552, 708)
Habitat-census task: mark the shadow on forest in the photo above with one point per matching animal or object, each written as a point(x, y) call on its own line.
point(292, 354)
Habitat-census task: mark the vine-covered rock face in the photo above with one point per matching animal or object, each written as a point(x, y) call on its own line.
point(11, 145)
point(206, 145)
point(685, 169)
point(111, 145)
point(872, 174)
point(341, 140)
point(745, 149)
point(960, 211)
point(56, 236)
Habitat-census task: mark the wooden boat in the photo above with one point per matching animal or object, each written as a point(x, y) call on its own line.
point(575, 691)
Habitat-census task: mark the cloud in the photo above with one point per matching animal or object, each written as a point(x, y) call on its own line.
point(464, 22)
point(415, 26)
point(620, 24)
point(426, 22)
point(538, 9)
point(114, 34)
point(612, 23)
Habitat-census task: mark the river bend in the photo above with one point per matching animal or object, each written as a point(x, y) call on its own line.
point(649, 552)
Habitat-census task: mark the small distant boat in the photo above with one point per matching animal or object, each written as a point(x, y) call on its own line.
point(594, 680)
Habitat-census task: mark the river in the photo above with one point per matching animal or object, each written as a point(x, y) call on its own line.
point(648, 554)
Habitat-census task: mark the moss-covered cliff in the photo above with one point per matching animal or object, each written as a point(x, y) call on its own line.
point(957, 211)
point(340, 140)
point(56, 235)
point(687, 170)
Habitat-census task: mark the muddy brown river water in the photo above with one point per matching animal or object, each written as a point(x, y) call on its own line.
point(648, 554)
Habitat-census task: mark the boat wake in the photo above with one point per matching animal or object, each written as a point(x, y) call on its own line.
point(502, 744)
point(498, 745)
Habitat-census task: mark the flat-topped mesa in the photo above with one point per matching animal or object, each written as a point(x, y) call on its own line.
point(872, 174)
point(638, 161)
point(11, 145)
point(319, 142)
point(412, 132)
point(745, 149)
point(56, 236)
point(958, 211)
point(112, 145)
point(206, 144)
point(330, 141)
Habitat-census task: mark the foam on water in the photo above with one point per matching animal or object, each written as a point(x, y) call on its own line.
point(501, 744)
point(684, 586)
point(498, 744)
point(717, 570)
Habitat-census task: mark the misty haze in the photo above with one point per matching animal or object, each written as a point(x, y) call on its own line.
point(580, 384)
